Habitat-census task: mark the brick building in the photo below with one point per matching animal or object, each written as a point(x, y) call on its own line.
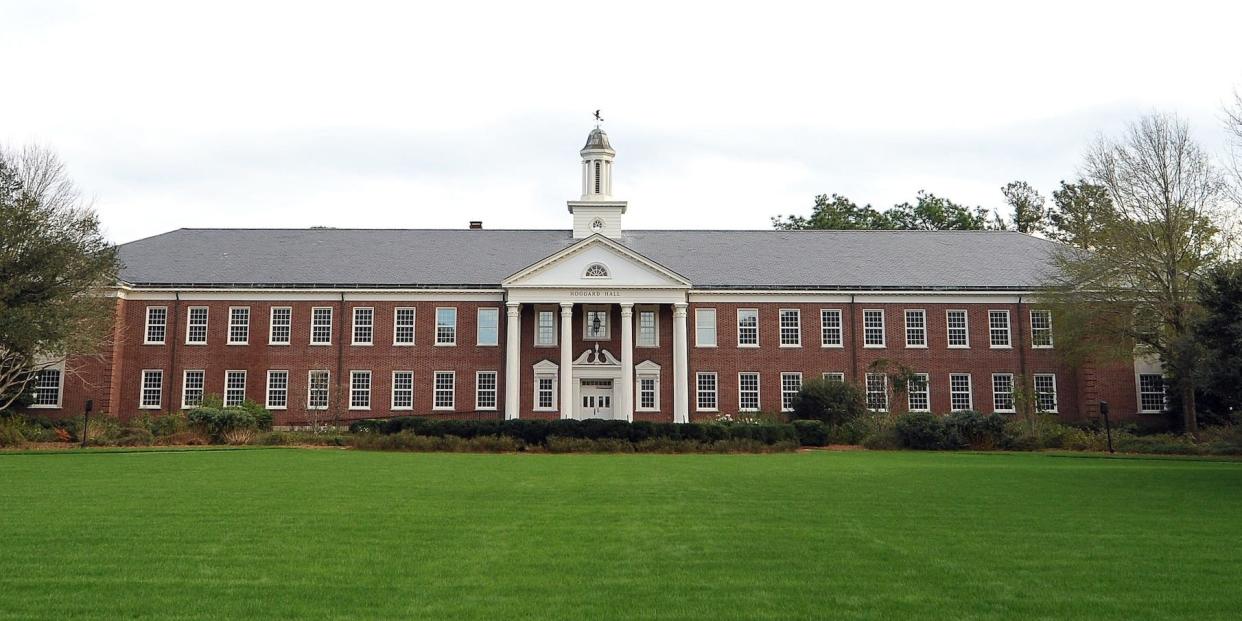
point(595, 321)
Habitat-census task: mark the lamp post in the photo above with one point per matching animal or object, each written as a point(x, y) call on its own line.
point(86, 420)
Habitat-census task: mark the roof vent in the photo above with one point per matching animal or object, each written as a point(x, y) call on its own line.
point(476, 224)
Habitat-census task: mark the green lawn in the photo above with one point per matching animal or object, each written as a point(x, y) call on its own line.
point(335, 533)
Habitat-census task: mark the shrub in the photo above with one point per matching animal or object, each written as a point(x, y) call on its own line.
point(370, 425)
point(134, 436)
point(184, 438)
point(857, 430)
point(220, 423)
point(811, 432)
point(922, 431)
point(832, 402)
point(970, 429)
point(300, 438)
point(882, 440)
point(12, 431)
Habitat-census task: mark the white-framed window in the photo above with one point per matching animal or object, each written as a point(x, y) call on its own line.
point(321, 325)
point(46, 388)
point(998, 328)
point(192, 384)
point(157, 325)
point(958, 329)
point(545, 387)
point(1046, 392)
point(705, 385)
point(364, 325)
point(277, 390)
point(1152, 397)
point(402, 390)
point(648, 393)
point(791, 383)
point(444, 390)
point(830, 328)
point(403, 326)
point(485, 390)
point(446, 325)
point(545, 328)
point(359, 390)
point(234, 388)
point(595, 270)
point(648, 328)
point(196, 326)
point(281, 327)
point(747, 327)
point(317, 386)
point(919, 393)
point(877, 392)
point(748, 392)
point(1002, 392)
point(873, 328)
point(1041, 329)
point(916, 327)
point(239, 325)
point(487, 330)
point(833, 376)
point(151, 392)
point(960, 393)
point(704, 327)
point(791, 327)
point(595, 324)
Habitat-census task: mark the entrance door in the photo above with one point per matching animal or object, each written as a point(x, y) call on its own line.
point(596, 400)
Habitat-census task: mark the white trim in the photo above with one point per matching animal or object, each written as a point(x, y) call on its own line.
point(888, 406)
point(142, 389)
point(738, 335)
point(311, 295)
point(638, 325)
point(271, 326)
point(587, 309)
point(883, 329)
point(554, 311)
point(784, 392)
point(185, 376)
point(189, 313)
point(146, 330)
point(926, 391)
point(646, 370)
point(514, 279)
point(478, 325)
point(228, 336)
point(392, 391)
point(758, 391)
point(370, 389)
point(905, 320)
point(970, 392)
point(715, 392)
point(1031, 323)
point(783, 296)
point(327, 387)
point(60, 387)
point(840, 376)
point(1138, 393)
point(840, 344)
point(548, 370)
point(1013, 398)
point(353, 326)
point(495, 390)
point(331, 328)
point(267, 397)
point(436, 334)
point(225, 393)
point(1056, 398)
point(780, 328)
point(965, 327)
point(1008, 329)
point(452, 392)
point(413, 326)
point(715, 327)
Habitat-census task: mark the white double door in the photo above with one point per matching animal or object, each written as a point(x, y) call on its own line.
point(595, 399)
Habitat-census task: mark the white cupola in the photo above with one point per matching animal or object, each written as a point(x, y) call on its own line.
point(596, 211)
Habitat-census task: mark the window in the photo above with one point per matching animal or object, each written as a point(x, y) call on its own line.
point(596, 270)
point(317, 386)
point(998, 328)
point(234, 388)
point(834, 377)
point(545, 328)
point(648, 335)
point(873, 328)
point(959, 392)
point(402, 390)
point(748, 392)
point(321, 325)
point(485, 390)
point(1151, 392)
point(446, 326)
point(239, 325)
point(791, 327)
point(444, 390)
point(196, 326)
point(747, 327)
point(46, 388)
point(487, 332)
point(916, 328)
point(359, 390)
point(281, 326)
point(364, 326)
point(648, 388)
point(704, 327)
point(545, 391)
point(791, 383)
point(403, 326)
point(152, 389)
point(830, 327)
point(877, 392)
point(959, 337)
point(277, 390)
point(706, 389)
point(1046, 392)
point(595, 325)
point(157, 325)
point(1002, 392)
point(919, 393)
point(192, 382)
point(1041, 329)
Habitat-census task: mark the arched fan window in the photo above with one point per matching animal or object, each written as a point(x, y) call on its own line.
point(596, 270)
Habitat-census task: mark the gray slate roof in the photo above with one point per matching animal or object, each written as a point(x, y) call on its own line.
point(948, 260)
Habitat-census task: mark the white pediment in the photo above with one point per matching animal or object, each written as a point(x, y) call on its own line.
point(597, 262)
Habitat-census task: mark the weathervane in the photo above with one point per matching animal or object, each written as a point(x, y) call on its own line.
point(598, 119)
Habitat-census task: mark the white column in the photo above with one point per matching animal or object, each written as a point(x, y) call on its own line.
point(567, 360)
point(513, 348)
point(681, 389)
point(625, 400)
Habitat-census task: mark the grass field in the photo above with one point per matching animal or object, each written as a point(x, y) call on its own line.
point(335, 533)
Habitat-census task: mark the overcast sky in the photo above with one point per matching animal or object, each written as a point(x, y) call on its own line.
point(352, 114)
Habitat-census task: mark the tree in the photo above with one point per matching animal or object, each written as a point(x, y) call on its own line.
point(1138, 284)
point(829, 401)
point(1028, 207)
point(833, 212)
point(1219, 333)
point(53, 259)
point(928, 213)
point(1081, 212)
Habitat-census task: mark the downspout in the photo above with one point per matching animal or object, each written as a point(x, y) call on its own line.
point(172, 334)
point(341, 385)
point(1028, 387)
point(853, 341)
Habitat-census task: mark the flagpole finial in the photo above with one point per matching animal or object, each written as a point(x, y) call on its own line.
point(598, 119)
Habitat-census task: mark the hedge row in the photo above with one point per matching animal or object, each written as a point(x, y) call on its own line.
point(537, 432)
